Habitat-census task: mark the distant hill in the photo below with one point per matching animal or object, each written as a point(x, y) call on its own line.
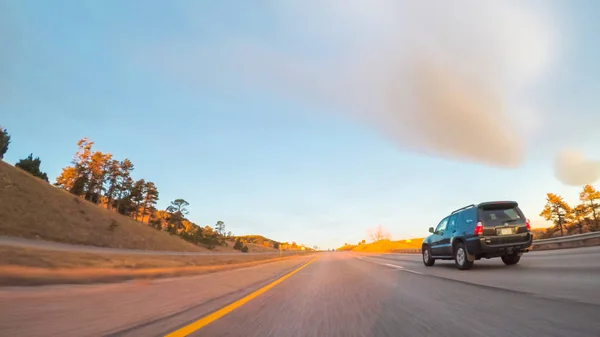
point(384, 246)
point(258, 239)
point(261, 241)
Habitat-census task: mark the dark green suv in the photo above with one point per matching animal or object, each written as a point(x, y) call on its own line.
point(487, 230)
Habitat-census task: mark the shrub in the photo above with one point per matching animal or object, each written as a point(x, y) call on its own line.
point(244, 249)
point(113, 224)
point(238, 244)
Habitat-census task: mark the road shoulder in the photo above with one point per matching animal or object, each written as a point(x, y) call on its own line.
point(110, 308)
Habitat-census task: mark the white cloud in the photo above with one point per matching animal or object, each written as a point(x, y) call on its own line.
point(446, 78)
point(439, 77)
point(574, 169)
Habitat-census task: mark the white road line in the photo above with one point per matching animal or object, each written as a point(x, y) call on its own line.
point(394, 266)
point(391, 265)
point(402, 268)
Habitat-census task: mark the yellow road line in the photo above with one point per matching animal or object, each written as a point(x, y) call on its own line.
point(204, 321)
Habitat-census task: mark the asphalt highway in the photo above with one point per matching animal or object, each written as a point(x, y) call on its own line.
point(550, 293)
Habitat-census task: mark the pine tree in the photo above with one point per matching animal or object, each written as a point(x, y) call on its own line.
point(220, 228)
point(150, 199)
point(4, 141)
point(578, 216)
point(124, 183)
point(136, 197)
point(557, 211)
point(75, 178)
point(32, 166)
point(591, 195)
point(113, 175)
point(97, 168)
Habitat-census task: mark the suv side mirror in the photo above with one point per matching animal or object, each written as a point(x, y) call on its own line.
point(431, 230)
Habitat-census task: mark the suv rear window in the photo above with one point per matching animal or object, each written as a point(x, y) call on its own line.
point(495, 215)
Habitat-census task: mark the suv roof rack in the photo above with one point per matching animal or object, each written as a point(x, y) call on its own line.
point(463, 208)
point(499, 202)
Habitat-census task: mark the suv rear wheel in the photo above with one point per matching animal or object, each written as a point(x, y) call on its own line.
point(509, 260)
point(460, 257)
point(427, 259)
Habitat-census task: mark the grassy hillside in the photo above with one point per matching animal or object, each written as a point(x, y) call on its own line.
point(259, 241)
point(262, 243)
point(384, 246)
point(32, 208)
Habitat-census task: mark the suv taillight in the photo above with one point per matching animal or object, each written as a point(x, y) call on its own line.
point(478, 229)
point(528, 225)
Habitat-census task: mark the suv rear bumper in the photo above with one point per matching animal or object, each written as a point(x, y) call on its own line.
point(486, 247)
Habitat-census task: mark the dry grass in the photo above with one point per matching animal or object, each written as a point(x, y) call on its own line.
point(25, 266)
point(252, 248)
point(32, 208)
point(256, 248)
point(42, 258)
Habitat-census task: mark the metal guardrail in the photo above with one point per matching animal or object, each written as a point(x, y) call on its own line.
point(540, 242)
point(570, 238)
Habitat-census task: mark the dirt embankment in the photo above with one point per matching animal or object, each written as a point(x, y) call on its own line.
point(31, 208)
point(27, 266)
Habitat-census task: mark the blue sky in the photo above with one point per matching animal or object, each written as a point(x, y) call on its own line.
point(235, 107)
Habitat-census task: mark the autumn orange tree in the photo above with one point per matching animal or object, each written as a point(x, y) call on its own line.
point(589, 196)
point(579, 216)
point(557, 211)
point(99, 178)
